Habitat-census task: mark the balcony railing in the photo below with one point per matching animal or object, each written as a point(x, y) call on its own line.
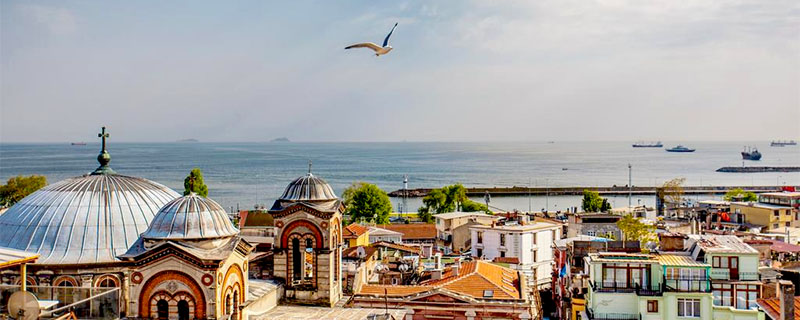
point(615, 287)
point(687, 284)
point(611, 316)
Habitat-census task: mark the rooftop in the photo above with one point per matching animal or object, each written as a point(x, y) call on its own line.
point(612, 257)
point(399, 247)
point(284, 312)
point(772, 307)
point(530, 226)
point(679, 261)
point(759, 205)
point(412, 231)
point(354, 231)
point(477, 279)
point(12, 257)
point(781, 194)
point(720, 244)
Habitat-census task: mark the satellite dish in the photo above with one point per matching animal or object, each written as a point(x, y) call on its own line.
point(23, 305)
point(403, 267)
point(361, 252)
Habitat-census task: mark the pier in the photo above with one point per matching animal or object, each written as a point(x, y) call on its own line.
point(758, 169)
point(572, 191)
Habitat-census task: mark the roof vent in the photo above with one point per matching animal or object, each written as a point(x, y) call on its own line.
point(488, 293)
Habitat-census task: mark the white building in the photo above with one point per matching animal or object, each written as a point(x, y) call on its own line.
point(530, 242)
point(380, 234)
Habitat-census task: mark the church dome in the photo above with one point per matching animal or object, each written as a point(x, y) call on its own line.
point(190, 217)
point(308, 188)
point(84, 220)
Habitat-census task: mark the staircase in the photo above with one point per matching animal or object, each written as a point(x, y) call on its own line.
point(537, 298)
point(342, 302)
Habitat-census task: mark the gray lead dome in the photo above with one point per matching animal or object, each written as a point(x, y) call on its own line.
point(87, 219)
point(308, 188)
point(190, 217)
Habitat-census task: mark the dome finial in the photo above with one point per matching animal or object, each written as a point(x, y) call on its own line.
point(104, 158)
point(309, 167)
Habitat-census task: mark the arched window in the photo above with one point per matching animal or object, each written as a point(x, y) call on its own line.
point(236, 305)
point(64, 290)
point(308, 275)
point(163, 309)
point(183, 310)
point(228, 304)
point(107, 283)
point(297, 259)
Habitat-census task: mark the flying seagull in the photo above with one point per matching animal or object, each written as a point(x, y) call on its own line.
point(379, 50)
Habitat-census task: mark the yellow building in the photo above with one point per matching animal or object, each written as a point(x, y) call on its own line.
point(356, 235)
point(765, 214)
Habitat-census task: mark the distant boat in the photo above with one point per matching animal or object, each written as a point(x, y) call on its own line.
point(78, 143)
point(779, 143)
point(642, 144)
point(751, 153)
point(680, 148)
point(281, 139)
point(188, 140)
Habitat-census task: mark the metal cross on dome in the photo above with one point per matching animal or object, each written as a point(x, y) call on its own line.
point(103, 135)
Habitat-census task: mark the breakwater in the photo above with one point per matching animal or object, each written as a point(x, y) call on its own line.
point(758, 169)
point(613, 190)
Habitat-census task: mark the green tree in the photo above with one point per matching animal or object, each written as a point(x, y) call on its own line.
point(672, 191)
point(424, 214)
point(738, 193)
point(194, 183)
point(20, 187)
point(449, 199)
point(633, 229)
point(366, 200)
point(593, 202)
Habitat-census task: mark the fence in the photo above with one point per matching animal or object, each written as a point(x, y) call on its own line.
point(86, 302)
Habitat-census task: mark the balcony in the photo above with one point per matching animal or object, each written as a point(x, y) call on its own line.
point(687, 284)
point(611, 316)
point(614, 287)
point(725, 274)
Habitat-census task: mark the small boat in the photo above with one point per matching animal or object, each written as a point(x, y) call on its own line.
point(564, 169)
point(680, 148)
point(642, 144)
point(751, 153)
point(78, 143)
point(782, 143)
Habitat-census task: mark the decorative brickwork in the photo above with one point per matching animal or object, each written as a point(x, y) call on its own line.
point(147, 293)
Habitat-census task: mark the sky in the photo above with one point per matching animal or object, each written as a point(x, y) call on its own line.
point(460, 70)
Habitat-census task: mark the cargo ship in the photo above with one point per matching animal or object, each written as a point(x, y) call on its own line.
point(680, 148)
point(642, 144)
point(782, 143)
point(78, 143)
point(751, 153)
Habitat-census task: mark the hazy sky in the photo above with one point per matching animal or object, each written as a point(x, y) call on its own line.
point(460, 70)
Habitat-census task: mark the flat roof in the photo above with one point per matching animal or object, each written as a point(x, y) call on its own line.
point(781, 194)
point(620, 257)
point(721, 244)
point(760, 205)
point(530, 226)
point(680, 261)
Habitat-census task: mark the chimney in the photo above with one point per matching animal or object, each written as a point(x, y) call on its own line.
point(786, 295)
point(455, 269)
point(436, 274)
point(437, 262)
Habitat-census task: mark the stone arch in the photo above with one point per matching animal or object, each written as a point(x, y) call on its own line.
point(287, 231)
point(103, 278)
point(31, 281)
point(60, 281)
point(234, 269)
point(172, 301)
point(150, 285)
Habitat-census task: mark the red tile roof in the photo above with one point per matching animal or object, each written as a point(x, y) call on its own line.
point(352, 252)
point(400, 247)
point(772, 307)
point(354, 231)
point(474, 279)
point(510, 260)
point(413, 231)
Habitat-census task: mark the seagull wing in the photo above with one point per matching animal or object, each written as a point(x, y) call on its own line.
point(386, 41)
point(369, 45)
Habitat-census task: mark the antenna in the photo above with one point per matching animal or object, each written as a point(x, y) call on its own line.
point(405, 193)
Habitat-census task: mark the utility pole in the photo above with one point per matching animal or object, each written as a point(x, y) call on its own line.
point(529, 195)
point(405, 193)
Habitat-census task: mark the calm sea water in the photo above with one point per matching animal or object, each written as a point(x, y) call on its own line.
point(246, 174)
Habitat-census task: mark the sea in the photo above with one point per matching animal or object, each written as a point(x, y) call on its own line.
point(248, 175)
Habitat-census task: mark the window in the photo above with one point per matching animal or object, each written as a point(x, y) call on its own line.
point(774, 226)
point(502, 240)
point(480, 237)
point(652, 306)
point(689, 308)
point(502, 254)
point(723, 294)
point(534, 256)
point(787, 224)
point(776, 213)
point(625, 275)
point(591, 233)
point(534, 238)
point(555, 235)
point(746, 295)
point(788, 213)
